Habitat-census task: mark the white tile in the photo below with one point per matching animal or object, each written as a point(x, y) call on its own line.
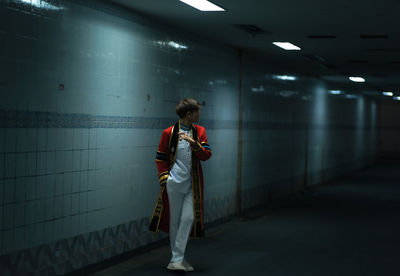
point(85, 138)
point(8, 216)
point(49, 213)
point(84, 181)
point(19, 216)
point(42, 139)
point(77, 138)
point(76, 160)
point(9, 191)
point(60, 161)
point(91, 180)
point(67, 205)
point(30, 212)
point(76, 182)
point(58, 230)
point(51, 139)
point(75, 221)
point(31, 163)
point(58, 206)
point(83, 202)
point(20, 164)
point(10, 166)
point(48, 232)
point(68, 161)
point(92, 159)
point(68, 183)
point(83, 223)
point(10, 140)
point(75, 204)
point(69, 136)
point(51, 162)
point(92, 138)
point(41, 163)
point(8, 241)
point(2, 160)
point(67, 226)
point(84, 160)
point(40, 210)
point(59, 184)
point(20, 190)
point(50, 184)
point(92, 200)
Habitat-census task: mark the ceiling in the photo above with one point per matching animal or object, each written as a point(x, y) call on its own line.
point(338, 38)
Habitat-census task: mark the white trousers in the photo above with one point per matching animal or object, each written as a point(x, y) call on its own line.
point(181, 217)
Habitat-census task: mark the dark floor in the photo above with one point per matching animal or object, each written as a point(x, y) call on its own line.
point(349, 228)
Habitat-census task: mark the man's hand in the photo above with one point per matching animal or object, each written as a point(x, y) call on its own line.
point(184, 136)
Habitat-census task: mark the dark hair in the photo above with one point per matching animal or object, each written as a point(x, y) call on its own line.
point(186, 105)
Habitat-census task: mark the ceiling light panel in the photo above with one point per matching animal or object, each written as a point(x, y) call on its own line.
point(357, 79)
point(202, 5)
point(286, 45)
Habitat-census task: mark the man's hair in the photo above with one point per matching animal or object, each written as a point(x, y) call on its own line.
point(186, 105)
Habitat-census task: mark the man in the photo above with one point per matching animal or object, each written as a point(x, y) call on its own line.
point(179, 209)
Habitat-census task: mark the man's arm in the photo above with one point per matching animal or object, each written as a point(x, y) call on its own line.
point(201, 149)
point(162, 161)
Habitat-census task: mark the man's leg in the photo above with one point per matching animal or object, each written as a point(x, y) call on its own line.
point(175, 208)
point(185, 227)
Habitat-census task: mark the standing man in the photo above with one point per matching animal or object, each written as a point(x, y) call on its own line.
point(179, 209)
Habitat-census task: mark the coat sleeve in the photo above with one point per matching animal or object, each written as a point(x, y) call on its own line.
point(202, 150)
point(162, 161)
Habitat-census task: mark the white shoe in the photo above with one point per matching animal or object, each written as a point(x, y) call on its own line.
point(176, 266)
point(188, 266)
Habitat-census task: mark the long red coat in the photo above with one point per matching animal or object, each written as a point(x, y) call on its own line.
point(165, 159)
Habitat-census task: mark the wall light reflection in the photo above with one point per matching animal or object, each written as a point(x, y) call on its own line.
point(41, 4)
point(284, 77)
point(336, 92)
point(172, 44)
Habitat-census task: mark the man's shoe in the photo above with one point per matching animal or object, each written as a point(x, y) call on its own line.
point(176, 267)
point(188, 266)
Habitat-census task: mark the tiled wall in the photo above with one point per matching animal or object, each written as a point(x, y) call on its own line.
point(86, 90)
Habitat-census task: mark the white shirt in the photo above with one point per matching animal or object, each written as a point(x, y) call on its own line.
point(180, 173)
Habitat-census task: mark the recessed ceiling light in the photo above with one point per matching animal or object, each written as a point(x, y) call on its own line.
point(336, 92)
point(387, 93)
point(357, 79)
point(286, 45)
point(202, 5)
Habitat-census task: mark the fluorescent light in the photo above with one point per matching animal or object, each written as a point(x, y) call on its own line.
point(387, 93)
point(351, 96)
point(336, 92)
point(357, 79)
point(397, 98)
point(286, 45)
point(171, 44)
point(284, 77)
point(202, 5)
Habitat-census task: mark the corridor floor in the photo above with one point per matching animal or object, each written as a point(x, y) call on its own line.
point(351, 227)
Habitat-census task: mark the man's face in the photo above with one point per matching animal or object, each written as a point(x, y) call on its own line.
point(195, 115)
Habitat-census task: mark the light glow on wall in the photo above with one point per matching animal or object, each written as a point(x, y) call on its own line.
point(284, 77)
point(202, 5)
point(41, 4)
point(172, 44)
point(336, 92)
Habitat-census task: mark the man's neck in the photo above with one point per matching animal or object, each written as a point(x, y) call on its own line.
point(186, 122)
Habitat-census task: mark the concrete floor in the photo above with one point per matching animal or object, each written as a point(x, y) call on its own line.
point(349, 228)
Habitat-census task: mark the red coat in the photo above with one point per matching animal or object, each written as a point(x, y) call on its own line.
point(165, 160)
